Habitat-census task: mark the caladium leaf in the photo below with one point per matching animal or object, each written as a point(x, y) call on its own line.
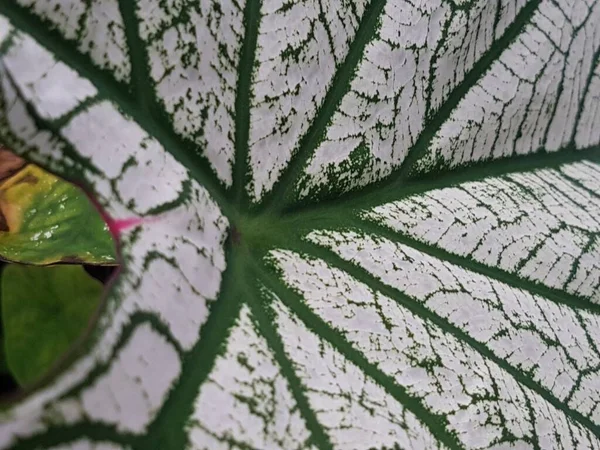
point(352, 225)
point(44, 311)
point(45, 220)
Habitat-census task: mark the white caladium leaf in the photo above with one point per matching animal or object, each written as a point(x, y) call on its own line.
point(352, 224)
point(87, 445)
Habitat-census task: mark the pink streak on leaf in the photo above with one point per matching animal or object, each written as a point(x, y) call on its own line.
point(119, 225)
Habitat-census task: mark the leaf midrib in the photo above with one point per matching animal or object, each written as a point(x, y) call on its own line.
point(168, 428)
point(387, 190)
point(261, 315)
point(243, 102)
point(281, 192)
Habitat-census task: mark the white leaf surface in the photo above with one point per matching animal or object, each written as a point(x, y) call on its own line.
point(343, 225)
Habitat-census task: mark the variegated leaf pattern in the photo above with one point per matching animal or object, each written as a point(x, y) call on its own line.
point(357, 224)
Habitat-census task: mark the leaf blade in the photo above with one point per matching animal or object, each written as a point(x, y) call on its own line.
point(44, 311)
point(49, 221)
point(171, 290)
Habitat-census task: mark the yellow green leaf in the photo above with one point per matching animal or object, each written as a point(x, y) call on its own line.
point(44, 311)
point(46, 220)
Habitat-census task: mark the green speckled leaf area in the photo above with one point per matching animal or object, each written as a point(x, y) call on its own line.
point(44, 310)
point(350, 224)
point(45, 220)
